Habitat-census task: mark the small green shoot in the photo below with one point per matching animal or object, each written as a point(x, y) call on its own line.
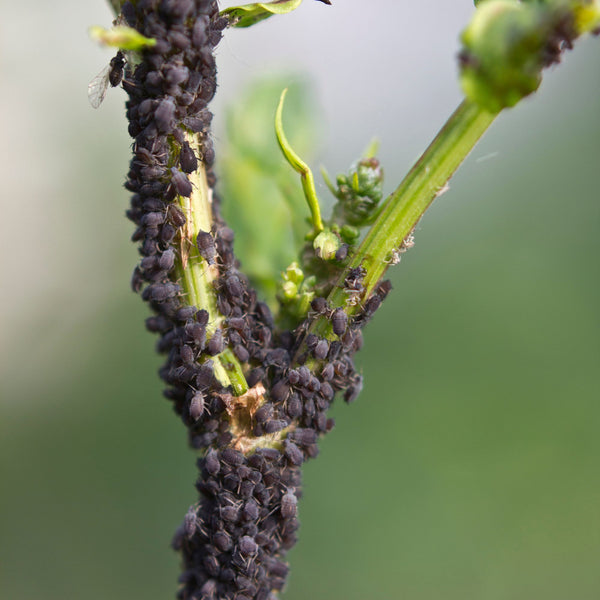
point(306, 176)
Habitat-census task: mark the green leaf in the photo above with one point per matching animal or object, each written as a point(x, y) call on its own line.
point(250, 14)
point(121, 36)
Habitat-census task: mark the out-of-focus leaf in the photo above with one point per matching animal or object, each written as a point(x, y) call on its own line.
point(122, 37)
point(250, 14)
point(263, 200)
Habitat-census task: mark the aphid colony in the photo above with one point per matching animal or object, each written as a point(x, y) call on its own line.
point(234, 540)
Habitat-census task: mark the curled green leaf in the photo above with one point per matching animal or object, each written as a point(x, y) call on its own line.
point(121, 36)
point(306, 176)
point(250, 14)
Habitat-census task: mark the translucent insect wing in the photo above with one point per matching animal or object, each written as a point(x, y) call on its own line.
point(98, 86)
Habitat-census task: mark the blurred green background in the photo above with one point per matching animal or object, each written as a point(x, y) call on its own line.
point(469, 466)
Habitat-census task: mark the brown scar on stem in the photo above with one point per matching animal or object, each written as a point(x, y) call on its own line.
point(241, 411)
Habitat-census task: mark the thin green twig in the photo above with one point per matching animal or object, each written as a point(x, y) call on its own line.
point(402, 210)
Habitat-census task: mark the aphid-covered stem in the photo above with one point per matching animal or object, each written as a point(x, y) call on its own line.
point(196, 276)
point(254, 395)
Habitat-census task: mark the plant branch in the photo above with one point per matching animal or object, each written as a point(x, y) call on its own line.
point(404, 208)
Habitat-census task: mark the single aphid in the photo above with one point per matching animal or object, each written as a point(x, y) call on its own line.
point(241, 352)
point(250, 511)
point(202, 316)
point(264, 413)
point(167, 260)
point(187, 158)
point(230, 513)
point(222, 541)
point(212, 462)
point(247, 545)
point(234, 286)
point(175, 215)
point(320, 305)
point(206, 246)
point(293, 453)
point(164, 116)
point(209, 588)
point(197, 332)
point(181, 183)
point(216, 345)
point(167, 233)
point(294, 406)
point(275, 425)
point(153, 219)
point(339, 321)
point(190, 522)
point(328, 372)
point(111, 74)
point(187, 354)
point(289, 504)
point(321, 349)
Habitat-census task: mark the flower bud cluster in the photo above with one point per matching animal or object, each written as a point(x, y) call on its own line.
point(508, 43)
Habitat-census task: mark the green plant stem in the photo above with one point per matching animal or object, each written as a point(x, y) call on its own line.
point(406, 205)
point(196, 277)
point(425, 181)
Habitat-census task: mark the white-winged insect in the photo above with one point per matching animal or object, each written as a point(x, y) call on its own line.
point(111, 74)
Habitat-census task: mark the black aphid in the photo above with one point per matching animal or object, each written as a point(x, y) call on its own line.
point(242, 354)
point(339, 321)
point(216, 345)
point(176, 216)
point(167, 260)
point(187, 354)
point(180, 182)
point(117, 66)
point(197, 406)
point(264, 413)
point(187, 159)
point(328, 372)
point(164, 115)
point(248, 545)
point(222, 541)
point(190, 522)
point(275, 425)
point(206, 246)
point(212, 462)
point(342, 252)
point(289, 504)
point(321, 349)
point(233, 285)
point(320, 305)
point(196, 333)
point(293, 453)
